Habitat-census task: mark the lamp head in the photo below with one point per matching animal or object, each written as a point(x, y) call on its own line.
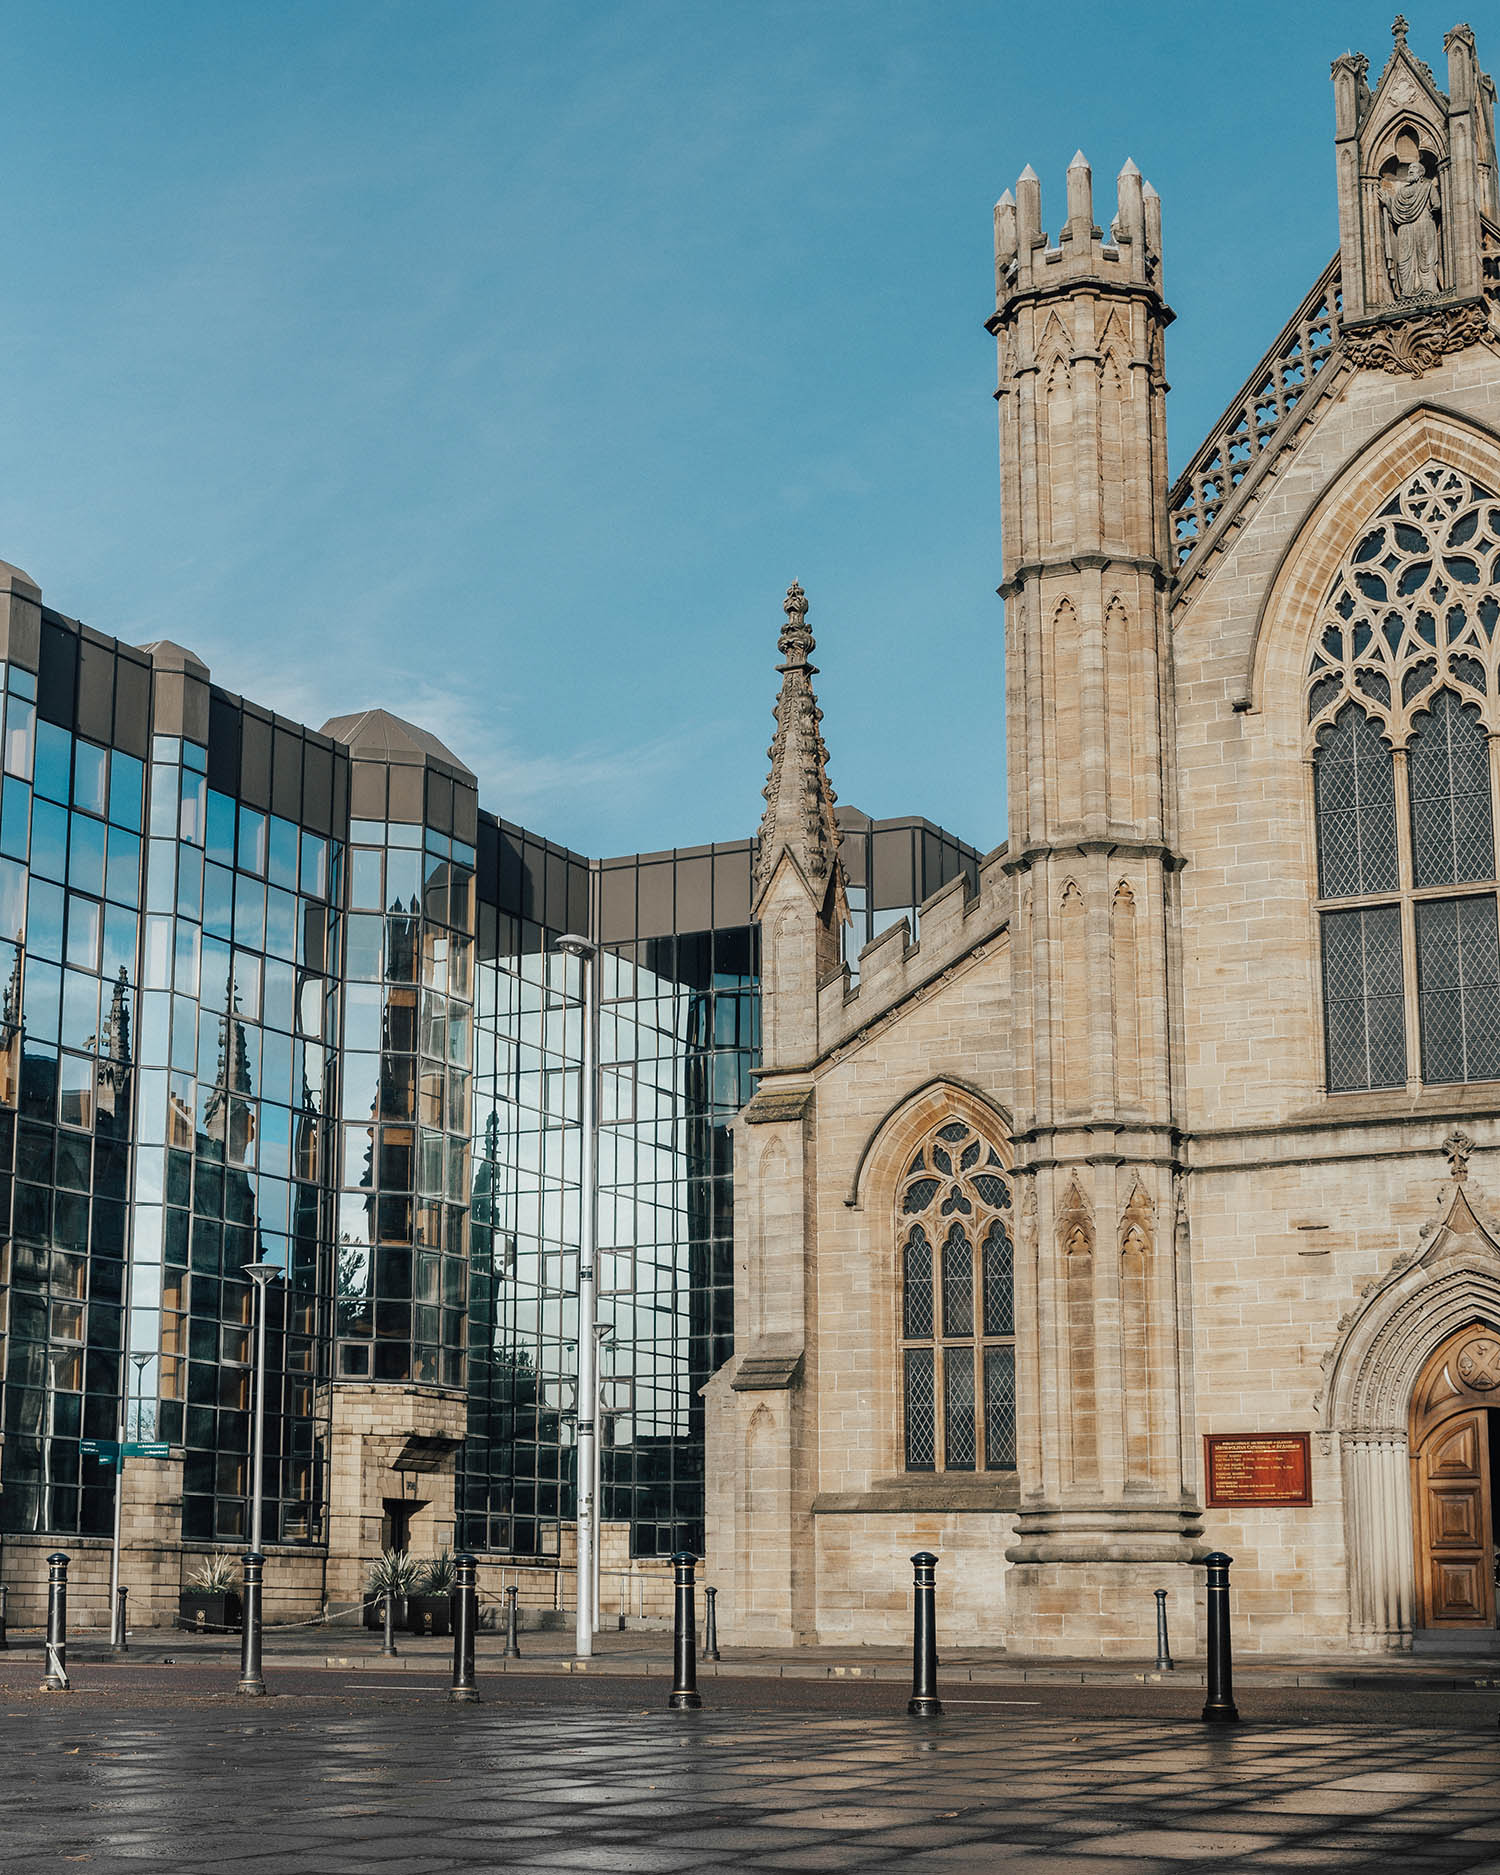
point(577, 946)
point(262, 1273)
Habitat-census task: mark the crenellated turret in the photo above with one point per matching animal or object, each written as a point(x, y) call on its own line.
point(1024, 259)
point(1079, 325)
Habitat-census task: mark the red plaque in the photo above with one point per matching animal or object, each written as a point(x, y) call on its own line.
point(1257, 1468)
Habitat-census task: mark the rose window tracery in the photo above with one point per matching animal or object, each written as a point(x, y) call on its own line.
point(1402, 690)
point(957, 1305)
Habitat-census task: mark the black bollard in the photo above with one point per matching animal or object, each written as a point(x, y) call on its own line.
point(711, 1624)
point(57, 1625)
point(252, 1680)
point(512, 1648)
point(389, 1601)
point(117, 1641)
point(3, 1593)
point(684, 1696)
point(1219, 1708)
point(464, 1605)
point(924, 1702)
point(1164, 1661)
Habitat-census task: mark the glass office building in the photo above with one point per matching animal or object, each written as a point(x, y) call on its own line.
point(272, 993)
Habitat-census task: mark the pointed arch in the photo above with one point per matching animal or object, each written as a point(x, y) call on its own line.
point(1373, 1368)
point(1426, 433)
point(1075, 1233)
point(1072, 1002)
point(895, 1135)
point(1066, 715)
point(1137, 1244)
point(1125, 963)
point(955, 1303)
point(1125, 751)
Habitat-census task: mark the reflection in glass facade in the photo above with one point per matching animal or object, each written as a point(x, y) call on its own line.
point(270, 993)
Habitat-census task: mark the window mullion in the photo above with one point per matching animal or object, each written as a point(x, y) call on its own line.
point(1410, 1003)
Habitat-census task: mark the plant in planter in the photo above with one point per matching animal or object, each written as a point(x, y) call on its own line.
point(428, 1611)
point(393, 1570)
point(210, 1604)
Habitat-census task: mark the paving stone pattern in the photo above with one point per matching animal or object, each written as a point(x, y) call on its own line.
point(417, 1787)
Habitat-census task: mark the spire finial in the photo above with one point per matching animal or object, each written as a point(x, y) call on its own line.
point(1399, 29)
point(799, 815)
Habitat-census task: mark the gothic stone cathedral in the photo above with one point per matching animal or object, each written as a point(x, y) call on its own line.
point(1150, 1202)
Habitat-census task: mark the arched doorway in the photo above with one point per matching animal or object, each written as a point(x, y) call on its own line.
point(1454, 1441)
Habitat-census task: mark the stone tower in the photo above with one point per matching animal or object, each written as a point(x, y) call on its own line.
point(1108, 1491)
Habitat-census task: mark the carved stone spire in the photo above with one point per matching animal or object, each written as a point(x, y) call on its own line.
point(799, 798)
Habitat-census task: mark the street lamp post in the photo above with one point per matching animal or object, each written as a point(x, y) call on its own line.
point(604, 1337)
point(251, 1679)
point(587, 954)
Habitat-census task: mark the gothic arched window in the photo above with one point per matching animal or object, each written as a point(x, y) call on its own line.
point(1402, 715)
point(958, 1346)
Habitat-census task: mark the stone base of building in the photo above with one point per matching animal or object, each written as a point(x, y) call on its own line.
point(1101, 1609)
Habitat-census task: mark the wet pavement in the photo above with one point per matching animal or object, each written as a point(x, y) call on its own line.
point(370, 1772)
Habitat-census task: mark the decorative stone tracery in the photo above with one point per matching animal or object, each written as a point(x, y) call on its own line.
point(958, 1331)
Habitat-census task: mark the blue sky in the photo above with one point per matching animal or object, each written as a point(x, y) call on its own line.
point(565, 335)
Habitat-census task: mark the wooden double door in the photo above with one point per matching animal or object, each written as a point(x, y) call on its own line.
point(1455, 1453)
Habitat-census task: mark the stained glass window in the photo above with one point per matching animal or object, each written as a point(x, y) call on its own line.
point(957, 1310)
point(1401, 686)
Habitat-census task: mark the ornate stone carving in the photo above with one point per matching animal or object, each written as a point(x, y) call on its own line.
point(799, 815)
point(1416, 343)
point(1137, 1221)
point(1075, 1222)
point(1479, 1363)
point(1457, 1146)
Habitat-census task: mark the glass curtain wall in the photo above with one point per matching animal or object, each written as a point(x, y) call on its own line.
point(402, 1275)
point(517, 1481)
point(70, 835)
point(238, 1024)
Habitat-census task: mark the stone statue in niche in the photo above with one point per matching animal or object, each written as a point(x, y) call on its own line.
point(1409, 208)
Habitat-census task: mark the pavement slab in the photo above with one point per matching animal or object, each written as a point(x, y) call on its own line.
point(154, 1768)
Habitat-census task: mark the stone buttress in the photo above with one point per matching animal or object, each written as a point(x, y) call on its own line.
point(761, 1425)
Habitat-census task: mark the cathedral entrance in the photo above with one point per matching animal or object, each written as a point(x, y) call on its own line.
point(1455, 1455)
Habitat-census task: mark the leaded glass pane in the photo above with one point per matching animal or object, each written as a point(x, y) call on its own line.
point(958, 1409)
point(1363, 1013)
point(921, 1411)
point(958, 1283)
point(1458, 982)
point(1448, 774)
point(1356, 796)
point(917, 1316)
point(999, 1409)
point(999, 1282)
